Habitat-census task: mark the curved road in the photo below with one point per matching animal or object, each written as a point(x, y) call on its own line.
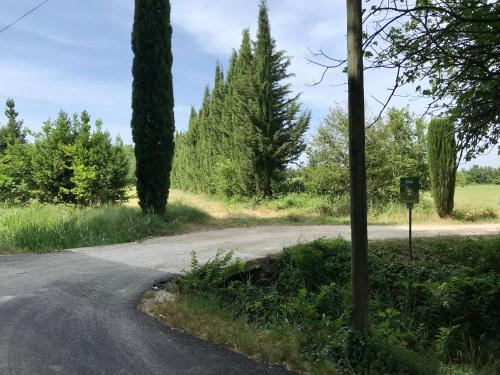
point(74, 312)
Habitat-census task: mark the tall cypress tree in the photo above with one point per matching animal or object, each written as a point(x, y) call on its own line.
point(243, 107)
point(280, 125)
point(250, 127)
point(203, 148)
point(152, 102)
point(442, 154)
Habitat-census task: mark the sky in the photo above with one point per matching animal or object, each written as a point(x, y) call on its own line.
point(75, 55)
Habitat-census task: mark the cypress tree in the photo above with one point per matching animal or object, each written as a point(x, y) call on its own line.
point(249, 127)
point(203, 145)
point(228, 125)
point(242, 108)
point(442, 151)
point(216, 108)
point(280, 125)
point(152, 102)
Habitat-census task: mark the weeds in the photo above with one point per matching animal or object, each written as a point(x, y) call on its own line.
point(433, 316)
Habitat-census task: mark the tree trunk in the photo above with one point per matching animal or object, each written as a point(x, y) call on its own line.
point(359, 235)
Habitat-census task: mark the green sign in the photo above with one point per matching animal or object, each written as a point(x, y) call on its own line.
point(409, 189)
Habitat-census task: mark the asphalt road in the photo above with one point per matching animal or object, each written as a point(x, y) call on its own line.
point(75, 312)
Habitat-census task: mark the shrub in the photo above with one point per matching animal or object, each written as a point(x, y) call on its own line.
point(68, 163)
point(16, 174)
point(442, 307)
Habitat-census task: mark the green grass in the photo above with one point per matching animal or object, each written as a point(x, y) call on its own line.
point(434, 316)
point(43, 228)
point(478, 203)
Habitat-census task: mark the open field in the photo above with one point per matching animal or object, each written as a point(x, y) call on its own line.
point(42, 228)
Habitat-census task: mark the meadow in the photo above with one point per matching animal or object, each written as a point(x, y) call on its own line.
point(43, 228)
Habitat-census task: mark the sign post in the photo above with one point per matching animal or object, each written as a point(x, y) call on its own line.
point(409, 191)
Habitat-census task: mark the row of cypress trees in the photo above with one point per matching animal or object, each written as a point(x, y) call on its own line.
point(249, 127)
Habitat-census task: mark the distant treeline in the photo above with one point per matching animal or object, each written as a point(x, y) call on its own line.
point(249, 127)
point(68, 162)
point(480, 175)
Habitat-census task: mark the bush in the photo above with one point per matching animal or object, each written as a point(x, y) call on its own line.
point(442, 307)
point(16, 174)
point(68, 163)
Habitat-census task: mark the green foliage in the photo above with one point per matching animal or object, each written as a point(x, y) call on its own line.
point(67, 163)
point(453, 46)
point(52, 159)
point(249, 127)
point(13, 132)
point(442, 164)
point(440, 308)
point(481, 175)
point(99, 167)
point(42, 228)
point(152, 102)
point(130, 156)
point(16, 174)
point(73, 164)
point(395, 145)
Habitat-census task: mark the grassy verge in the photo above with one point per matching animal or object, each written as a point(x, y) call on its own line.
point(475, 203)
point(42, 228)
point(204, 318)
point(437, 315)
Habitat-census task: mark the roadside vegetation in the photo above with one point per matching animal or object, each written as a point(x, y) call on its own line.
point(437, 315)
point(474, 203)
point(46, 227)
point(70, 185)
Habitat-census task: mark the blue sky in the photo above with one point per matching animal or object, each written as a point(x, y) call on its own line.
point(75, 55)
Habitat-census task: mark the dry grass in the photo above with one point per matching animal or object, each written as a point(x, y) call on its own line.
point(476, 203)
point(222, 210)
point(204, 319)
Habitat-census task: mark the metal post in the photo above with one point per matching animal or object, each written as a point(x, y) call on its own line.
point(410, 207)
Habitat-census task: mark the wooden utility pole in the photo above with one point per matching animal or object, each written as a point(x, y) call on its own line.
point(359, 230)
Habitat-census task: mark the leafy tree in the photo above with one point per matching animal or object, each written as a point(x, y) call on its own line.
point(451, 45)
point(152, 102)
point(70, 163)
point(442, 164)
point(249, 128)
point(239, 106)
point(129, 152)
point(396, 146)
point(13, 131)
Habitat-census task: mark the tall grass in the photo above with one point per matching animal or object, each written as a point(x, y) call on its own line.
point(42, 228)
point(478, 204)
